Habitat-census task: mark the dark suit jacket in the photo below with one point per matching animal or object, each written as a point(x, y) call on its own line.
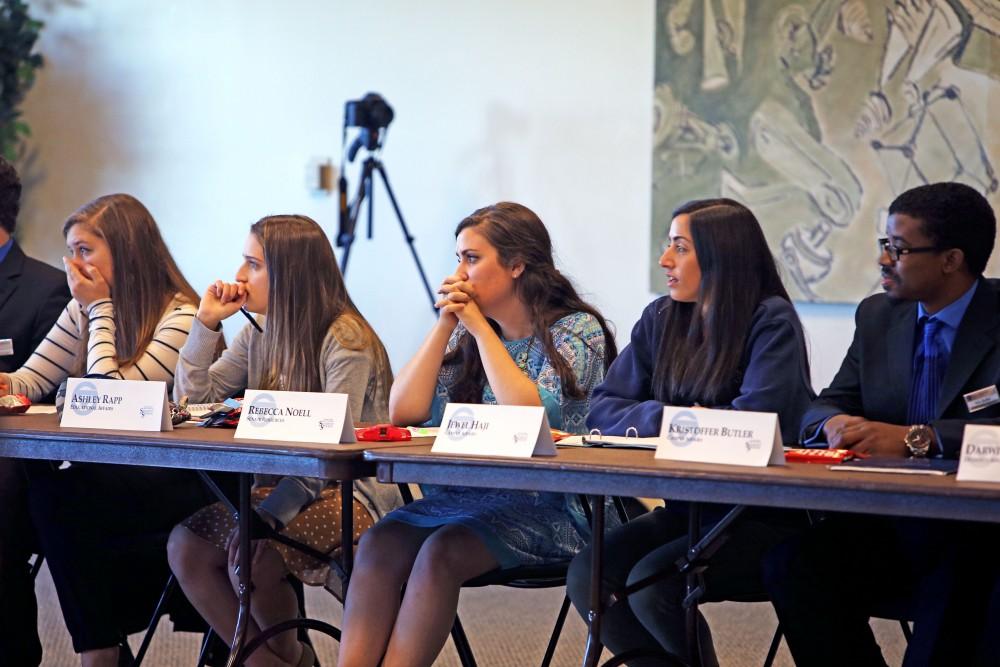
point(32, 295)
point(874, 380)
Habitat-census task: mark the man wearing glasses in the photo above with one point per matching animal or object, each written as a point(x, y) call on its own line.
point(907, 388)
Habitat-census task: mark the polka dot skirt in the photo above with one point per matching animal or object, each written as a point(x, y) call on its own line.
point(318, 526)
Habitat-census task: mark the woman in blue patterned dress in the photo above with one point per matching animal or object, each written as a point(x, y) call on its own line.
point(512, 331)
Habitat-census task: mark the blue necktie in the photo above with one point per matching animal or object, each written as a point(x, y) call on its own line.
point(928, 373)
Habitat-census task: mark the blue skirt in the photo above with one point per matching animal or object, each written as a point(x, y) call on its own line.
point(518, 527)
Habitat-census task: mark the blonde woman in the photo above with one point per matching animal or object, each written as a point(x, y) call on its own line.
point(130, 314)
point(313, 339)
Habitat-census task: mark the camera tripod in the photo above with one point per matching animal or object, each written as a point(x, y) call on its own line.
point(346, 237)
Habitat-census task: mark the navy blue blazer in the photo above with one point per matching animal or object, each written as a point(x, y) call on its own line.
point(874, 380)
point(774, 373)
point(32, 295)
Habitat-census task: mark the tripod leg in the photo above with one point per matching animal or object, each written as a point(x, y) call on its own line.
point(406, 234)
point(347, 236)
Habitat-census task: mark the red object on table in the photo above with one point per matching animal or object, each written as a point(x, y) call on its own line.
point(820, 455)
point(382, 433)
point(14, 404)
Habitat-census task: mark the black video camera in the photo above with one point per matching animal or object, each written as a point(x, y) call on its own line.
point(371, 113)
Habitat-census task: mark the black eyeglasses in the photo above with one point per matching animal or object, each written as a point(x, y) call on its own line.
point(895, 252)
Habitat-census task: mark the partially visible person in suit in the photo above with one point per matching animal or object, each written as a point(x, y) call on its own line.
point(726, 337)
point(32, 294)
point(918, 349)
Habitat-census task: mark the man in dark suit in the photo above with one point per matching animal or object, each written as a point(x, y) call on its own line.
point(32, 295)
point(902, 390)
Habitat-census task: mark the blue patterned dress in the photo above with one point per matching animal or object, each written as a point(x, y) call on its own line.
point(522, 527)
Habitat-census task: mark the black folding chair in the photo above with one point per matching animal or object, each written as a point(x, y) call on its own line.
point(536, 577)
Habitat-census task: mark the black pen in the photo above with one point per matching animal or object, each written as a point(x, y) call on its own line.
point(243, 309)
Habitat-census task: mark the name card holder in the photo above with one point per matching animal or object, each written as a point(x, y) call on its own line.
point(979, 460)
point(734, 437)
point(296, 416)
point(120, 405)
point(516, 431)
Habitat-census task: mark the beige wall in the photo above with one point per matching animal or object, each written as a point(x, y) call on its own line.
point(213, 112)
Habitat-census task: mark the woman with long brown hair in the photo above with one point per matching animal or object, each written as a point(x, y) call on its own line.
point(512, 330)
point(726, 337)
point(131, 306)
point(314, 339)
point(130, 314)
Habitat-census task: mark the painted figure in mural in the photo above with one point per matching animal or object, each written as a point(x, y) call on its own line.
point(814, 111)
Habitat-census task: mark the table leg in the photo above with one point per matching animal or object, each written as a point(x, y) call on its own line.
point(594, 647)
point(347, 529)
point(691, 612)
point(243, 619)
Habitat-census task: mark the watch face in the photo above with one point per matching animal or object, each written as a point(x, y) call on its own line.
point(918, 440)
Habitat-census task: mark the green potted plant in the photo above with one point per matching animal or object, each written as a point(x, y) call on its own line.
point(18, 33)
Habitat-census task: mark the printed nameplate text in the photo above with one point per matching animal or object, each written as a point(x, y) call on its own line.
point(979, 460)
point(296, 416)
point(123, 405)
point(518, 431)
point(735, 437)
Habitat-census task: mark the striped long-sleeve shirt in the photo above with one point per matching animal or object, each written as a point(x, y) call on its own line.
point(58, 356)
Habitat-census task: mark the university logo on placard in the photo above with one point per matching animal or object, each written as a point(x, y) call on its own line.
point(83, 401)
point(683, 428)
point(262, 406)
point(462, 424)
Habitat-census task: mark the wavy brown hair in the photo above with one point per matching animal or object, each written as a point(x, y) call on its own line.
point(306, 298)
point(701, 352)
point(520, 237)
point(145, 277)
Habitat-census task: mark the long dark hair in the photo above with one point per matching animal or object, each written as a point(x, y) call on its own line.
point(699, 357)
point(145, 279)
point(298, 320)
point(520, 237)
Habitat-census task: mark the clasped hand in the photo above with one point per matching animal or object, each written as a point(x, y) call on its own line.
point(865, 437)
point(221, 300)
point(86, 283)
point(458, 304)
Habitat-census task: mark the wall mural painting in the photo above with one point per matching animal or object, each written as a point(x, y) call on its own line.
point(816, 114)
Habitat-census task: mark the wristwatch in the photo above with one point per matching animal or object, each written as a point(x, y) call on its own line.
point(918, 440)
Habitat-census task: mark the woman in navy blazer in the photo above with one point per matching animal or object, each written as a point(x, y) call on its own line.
point(726, 337)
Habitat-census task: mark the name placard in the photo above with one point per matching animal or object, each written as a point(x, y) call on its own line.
point(518, 431)
point(296, 416)
point(734, 437)
point(979, 460)
point(125, 405)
